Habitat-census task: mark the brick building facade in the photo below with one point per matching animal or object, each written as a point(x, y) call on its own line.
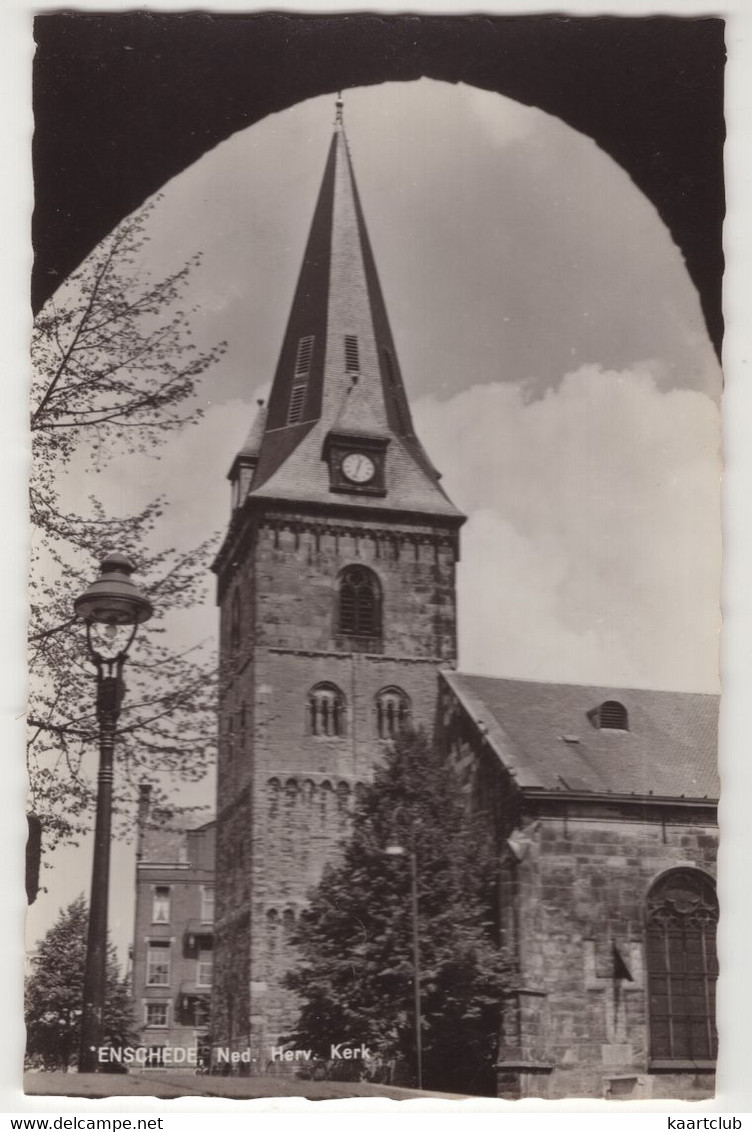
point(173, 947)
point(337, 593)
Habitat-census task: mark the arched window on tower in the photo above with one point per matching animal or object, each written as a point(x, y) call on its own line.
point(359, 603)
point(682, 914)
point(326, 711)
point(392, 713)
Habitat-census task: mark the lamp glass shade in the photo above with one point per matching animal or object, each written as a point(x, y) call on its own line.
point(113, 599)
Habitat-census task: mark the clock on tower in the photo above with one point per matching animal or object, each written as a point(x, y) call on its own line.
point(357, 464)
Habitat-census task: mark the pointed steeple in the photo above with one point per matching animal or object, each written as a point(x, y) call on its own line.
point(338, 330)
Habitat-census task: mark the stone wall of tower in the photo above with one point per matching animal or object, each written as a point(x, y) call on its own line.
point(284, 794)
point(297, 562)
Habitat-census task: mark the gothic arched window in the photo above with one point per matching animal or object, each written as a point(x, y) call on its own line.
point(682, 913)
point(359, 609)
point(326, 711)
point(392, 713)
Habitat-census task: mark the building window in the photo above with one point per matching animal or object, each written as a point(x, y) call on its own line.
point(359, 603)
point(392, 713)
point(207, 905)
point(326, 711)
point(201, 1014)
point(235, 619)
point(156, 1014)
point(204, 967)
point(160, 905)
point(682, 914)
point(158, 963)
point(352, 359)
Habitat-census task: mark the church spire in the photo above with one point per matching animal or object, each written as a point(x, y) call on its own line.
point(338, 359)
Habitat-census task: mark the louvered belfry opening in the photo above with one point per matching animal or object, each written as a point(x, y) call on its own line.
point(359, 613)
point(352, 356)
point(398, 392)
point(682, 965)
point(300, 379)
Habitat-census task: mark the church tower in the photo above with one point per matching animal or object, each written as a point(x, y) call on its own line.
point(336, 585)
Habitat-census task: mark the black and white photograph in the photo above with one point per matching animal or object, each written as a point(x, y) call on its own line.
point(374, 569)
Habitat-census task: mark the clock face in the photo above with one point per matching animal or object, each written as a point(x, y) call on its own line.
point(358, 468)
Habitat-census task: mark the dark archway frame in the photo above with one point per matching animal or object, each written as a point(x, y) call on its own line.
point(125, 101)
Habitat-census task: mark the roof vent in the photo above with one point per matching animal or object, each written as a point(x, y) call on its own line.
point(352, 357)
point(609, 716)
point(569, 738)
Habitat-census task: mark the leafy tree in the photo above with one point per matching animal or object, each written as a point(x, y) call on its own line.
point(115, 372)
point(54, 994)
point(355, 974)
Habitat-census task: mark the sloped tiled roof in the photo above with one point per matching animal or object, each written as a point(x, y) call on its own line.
point(304, 477)
point(542, 732)
point(356, 416)
point(252, 443)
point(251, 447)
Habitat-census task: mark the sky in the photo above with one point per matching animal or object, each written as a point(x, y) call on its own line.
point(554, 354)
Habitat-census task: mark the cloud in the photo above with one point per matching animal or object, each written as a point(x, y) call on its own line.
point(592, 549)
point(501, 119)
point(592, 553)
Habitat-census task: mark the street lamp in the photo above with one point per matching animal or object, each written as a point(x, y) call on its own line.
point(113, 600)
point(400, 851)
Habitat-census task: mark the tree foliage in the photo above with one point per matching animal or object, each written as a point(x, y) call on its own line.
point(54, 995)
point(355, 974)
point(115, 372)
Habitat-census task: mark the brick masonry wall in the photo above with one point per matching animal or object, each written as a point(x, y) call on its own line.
point(285, 795)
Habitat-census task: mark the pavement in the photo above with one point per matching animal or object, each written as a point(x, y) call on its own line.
point(169, 1085)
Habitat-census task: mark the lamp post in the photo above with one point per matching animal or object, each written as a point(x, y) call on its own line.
point(400, 851)
point(114, 601)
